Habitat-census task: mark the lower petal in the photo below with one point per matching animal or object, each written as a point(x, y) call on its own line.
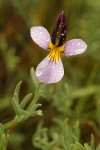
point(49, 71)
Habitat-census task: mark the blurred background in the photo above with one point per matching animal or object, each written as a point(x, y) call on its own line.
point(76, 96)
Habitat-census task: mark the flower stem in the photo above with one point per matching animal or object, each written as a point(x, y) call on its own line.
point(9, 125)
point(37, 95)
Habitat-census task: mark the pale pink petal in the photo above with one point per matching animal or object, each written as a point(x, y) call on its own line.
point(74, 47)
point(40, 36)
point(49, 71)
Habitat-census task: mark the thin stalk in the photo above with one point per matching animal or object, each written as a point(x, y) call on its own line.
point(9, 125)
point(37, 95)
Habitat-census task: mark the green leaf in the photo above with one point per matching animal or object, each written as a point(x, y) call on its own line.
point(92, 142)
point(38, 112)
point(25, 100)
point(16, 106)
point(98, 111)
point(3, 142)
point(34, 107)
point(87, 146)
point(33, 76)
point(16, 93)
point(87, 91)
point(98, 147)
point(79, 146)
point(15, 99)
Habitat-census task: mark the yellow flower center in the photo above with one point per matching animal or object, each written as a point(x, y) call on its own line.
point(55, 52)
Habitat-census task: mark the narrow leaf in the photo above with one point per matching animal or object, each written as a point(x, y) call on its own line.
point(79, 146)
point(34, 107)
point(33, 76)
point(15, 105)
point(16, 93)
point(38, 112)
point(25, 100)
point(92, 142)
point(87, 146)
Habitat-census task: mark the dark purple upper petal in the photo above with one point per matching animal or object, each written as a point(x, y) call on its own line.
point(59, 33)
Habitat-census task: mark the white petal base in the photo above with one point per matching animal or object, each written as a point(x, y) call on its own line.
point(49, 71)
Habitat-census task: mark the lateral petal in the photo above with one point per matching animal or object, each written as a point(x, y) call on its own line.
point(74, 47)
point(40, 36)
point(49, 71)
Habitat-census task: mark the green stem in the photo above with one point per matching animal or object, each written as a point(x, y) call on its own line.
point(37, 95)
point(10, 124)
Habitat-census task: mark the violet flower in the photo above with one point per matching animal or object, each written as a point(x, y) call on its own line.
point(51, 70)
